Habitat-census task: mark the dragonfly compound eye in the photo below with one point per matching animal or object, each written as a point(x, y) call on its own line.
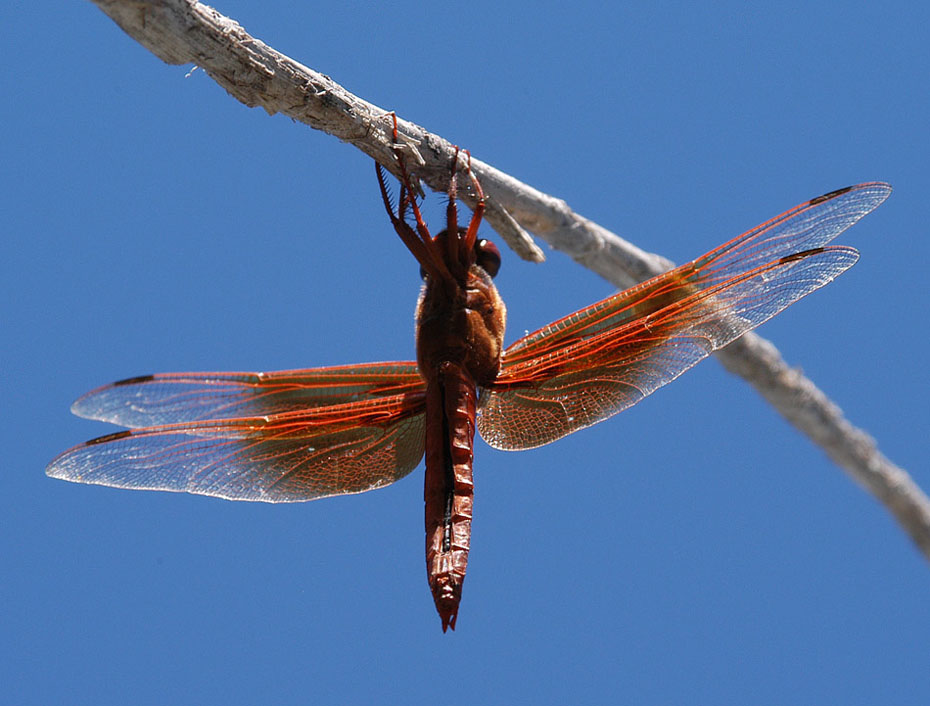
point(488, 257)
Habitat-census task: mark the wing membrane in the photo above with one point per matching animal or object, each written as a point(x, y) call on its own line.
point(805, 227)
point(606, 357)
point(171, 398)
point(295, 456)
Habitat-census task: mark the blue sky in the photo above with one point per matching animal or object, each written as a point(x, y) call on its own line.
point(694, 549)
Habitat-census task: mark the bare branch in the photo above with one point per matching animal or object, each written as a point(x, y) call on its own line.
point(185, 31)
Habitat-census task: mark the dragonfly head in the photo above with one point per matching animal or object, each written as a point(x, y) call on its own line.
point(485, 254)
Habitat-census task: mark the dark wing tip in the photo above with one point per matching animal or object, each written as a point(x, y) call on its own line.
point(879, 186)
point(108, 437)
point(831, 195)
point(86, 405)
point(134, 381)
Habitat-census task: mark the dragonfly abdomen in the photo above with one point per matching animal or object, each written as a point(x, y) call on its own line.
point(451, 397)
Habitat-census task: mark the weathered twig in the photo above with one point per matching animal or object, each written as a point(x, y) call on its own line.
point(185, 31)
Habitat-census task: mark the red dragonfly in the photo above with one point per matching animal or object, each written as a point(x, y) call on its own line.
point(304, 434)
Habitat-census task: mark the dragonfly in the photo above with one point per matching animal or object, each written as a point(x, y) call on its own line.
point(299, 435)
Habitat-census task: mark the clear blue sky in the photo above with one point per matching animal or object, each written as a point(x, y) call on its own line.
point(694, 549)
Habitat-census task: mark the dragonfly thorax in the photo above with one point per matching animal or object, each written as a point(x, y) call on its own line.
point(462, 324)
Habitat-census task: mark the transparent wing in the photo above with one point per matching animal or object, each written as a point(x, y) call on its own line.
point(608, 356)
point(810, 225)
point(333, 450)
point(170, 398)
